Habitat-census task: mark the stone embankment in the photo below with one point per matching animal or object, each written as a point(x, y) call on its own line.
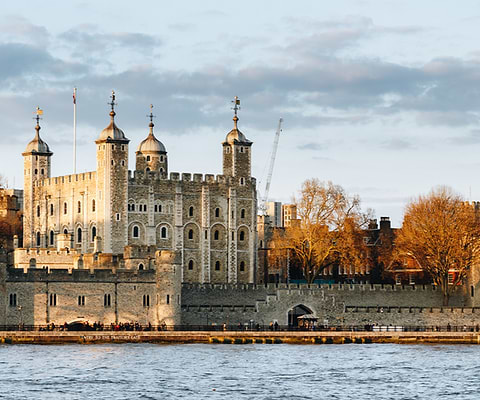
point(334, 337)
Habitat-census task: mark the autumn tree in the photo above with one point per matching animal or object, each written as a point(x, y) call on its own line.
point(328, 229)
point(441, 233)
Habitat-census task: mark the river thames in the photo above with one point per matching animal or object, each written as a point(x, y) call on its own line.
point(200, 371)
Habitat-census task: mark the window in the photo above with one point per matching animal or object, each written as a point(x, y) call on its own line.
point(215, 234)
point(135, 233)
point(38, 211)
point(242, 236)
point(241, 149)
point(140, 267)
point(242, 266)
point(161, 159)
point(65, 209)
point(52, 238)
point(217, 212)
point(190, 212)
point(36, 171)
point(38, 239)
point(42, 171)
point(147, 169)
point(79, 207)
point(81, 301)
point(168, 299)
point(51, 209)
point(190, 234)
point(65, 231)
point(94, 232)
point(93, 205)
point(190, 265)
point(217, 265)
point(242, 213)
point(148, 158)
point(53, 299)
point(13, 300)
point(118, 216)
point(107, 300)
point(146, 300)
point(242, 181)
point(131, 207)
point(79, 235)
point(163, 232)
point(227, 150)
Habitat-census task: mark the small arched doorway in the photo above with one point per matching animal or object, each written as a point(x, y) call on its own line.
point(295, 313)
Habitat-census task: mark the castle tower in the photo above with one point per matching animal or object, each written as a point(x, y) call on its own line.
point(36, 166)
point(112, 185)
point(151, 154)
point(237, 150)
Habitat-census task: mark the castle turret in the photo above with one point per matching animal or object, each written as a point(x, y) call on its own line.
point(151, 154)
point(36, 162)
point(112, 185)
point(237, 150)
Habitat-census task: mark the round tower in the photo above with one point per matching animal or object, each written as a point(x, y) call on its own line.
point(236, 150)
point(112, 185)
point(36, 166)
point(151, 154)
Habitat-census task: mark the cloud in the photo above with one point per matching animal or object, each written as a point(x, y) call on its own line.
point(312, 146)
point(18, 29)
point(397, 144)
point(473, 137)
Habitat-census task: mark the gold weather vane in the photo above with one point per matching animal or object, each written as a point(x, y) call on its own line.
point(151, 116)
point(112, 103)
point(38, 112)
point(236, 104)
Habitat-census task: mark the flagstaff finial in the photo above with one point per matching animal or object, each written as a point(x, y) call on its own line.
point(151, 116)
point(112, 104)
point(235, 108)
point(39, 112)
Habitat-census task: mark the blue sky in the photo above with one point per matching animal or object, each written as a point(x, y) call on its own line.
point(381, 97)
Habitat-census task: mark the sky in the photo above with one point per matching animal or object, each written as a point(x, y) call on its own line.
point(381, 97)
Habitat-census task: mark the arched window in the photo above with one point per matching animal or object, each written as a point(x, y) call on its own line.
point(217, 212)
point(163, 232)
point(135, 233)
point(242, 213)
point(190, 265)
point(227, 150)
point(36, 171)
point(79, 207)
point(190, 234)
point(65, 231)
point(146, 300)
point(38, 211)
point(242, 266)
point(148, 158)
point(147, 169)
point(94, 232)
point(79, 235)
point(140, 267)
point(161, 160)
point(241, 149)
point(65, 209)
point(190, 212)
point(51, 209)
point(215, 234)
point(38, 239)
point(217, 265)
point(52, 238)
point(242, 236)
point(93, 205)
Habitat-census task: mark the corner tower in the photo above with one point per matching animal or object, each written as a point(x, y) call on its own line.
point(151, 154)
point(236, 149)
point(112, 185)
point(36, 166)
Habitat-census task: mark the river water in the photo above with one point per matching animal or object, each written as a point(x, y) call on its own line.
point(257, 371)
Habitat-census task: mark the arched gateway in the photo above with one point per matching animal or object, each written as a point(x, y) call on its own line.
point(296, 312)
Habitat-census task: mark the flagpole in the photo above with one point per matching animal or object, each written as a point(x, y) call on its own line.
point(74, 130)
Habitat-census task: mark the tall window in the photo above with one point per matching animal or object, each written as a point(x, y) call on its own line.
point(38, 239)
point(217, 265)
point(51, 209)
point(190, 265)
point(38, 211)
point(79, 207)
point(163, 232)
point(190, 212)
point(242, 266)
point(13, 300)
point(52, 237)
point(242, 213)
point(217, 212)
point(94, 232)
point(215, 235)
point(242, 236)
point(146, 300)
point(79, 235)
point(53, 299)
point(107, 300)
point(190, 234)
point(135, 232)
point(65, 208)
point(93, 205)
point(81, 300)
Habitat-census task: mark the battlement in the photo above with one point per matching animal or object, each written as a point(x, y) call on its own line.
point(141, 176)
point(67, 179)
point(80, 275)
point(38, 252)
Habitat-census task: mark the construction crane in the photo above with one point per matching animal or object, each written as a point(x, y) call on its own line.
point(263, 203)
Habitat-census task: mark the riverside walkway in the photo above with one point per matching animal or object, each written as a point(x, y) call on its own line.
point(237, 337)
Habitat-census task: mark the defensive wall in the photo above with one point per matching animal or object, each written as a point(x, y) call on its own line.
point(336, 304)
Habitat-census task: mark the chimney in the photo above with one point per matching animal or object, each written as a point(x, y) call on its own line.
point(385, 223)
